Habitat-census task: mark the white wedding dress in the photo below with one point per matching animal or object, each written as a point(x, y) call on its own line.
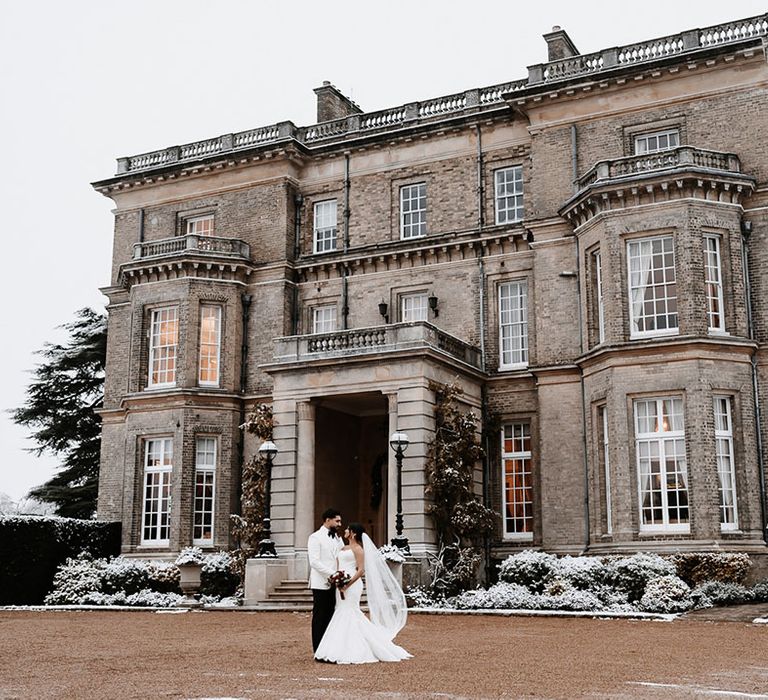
point(351, 638)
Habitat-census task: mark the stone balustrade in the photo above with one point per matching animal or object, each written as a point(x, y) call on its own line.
point(645, 51)
point(414, 113)
point(205, 245)
point(362, 341)
point(683, 156)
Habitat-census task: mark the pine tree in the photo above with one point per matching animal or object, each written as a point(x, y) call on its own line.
point(461, 520)
point(60, 409)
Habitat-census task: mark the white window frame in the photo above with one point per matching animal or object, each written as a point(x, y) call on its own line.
point(508, 194)
point(324, 319)
point(726, 464)
point(598, 260)
point(157, 476)
point(413, 210)
point(206, 344)
point(666, 443)
point(656, 141)
point(642, 281)
point(713, 284)
point(414, 307)
point(516, 496)
point(602, 413)
point(325, 226)
point(203, 506)
point(163, 354)
point(202, 225)
point(513, 324)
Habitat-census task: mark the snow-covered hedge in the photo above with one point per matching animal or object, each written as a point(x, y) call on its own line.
point(120, 581)
point(32, 547)
point(533, 580)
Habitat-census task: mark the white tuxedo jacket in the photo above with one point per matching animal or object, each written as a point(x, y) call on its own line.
point(322, 551)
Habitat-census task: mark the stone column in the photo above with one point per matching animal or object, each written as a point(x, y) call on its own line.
point(305, 475)
point(391, 469)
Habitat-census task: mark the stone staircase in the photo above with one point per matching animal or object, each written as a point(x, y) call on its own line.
point(293, 594)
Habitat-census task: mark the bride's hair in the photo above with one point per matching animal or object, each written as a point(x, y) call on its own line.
point(358, 529)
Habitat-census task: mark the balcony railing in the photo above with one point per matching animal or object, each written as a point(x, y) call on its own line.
point(681, 157)
point(204, 245)
point(364, 341)
point(539, 76)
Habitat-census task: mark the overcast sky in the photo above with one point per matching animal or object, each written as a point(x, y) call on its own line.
point(82, 83)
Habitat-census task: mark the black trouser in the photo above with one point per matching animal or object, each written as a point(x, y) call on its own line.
point(323, 603)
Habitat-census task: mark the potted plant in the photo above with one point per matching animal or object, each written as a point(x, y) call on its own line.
point(190, 562)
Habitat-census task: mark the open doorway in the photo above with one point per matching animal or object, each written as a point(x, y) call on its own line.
point(351, 443)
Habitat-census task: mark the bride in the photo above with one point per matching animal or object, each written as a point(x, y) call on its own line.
point(351, 638)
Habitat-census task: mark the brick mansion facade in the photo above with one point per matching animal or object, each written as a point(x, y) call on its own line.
point(585, 251)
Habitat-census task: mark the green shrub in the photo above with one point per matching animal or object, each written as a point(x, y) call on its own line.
point(529, 568)
point(666, 594)
point(725, 593)
point(632, 574)
point(31, 549)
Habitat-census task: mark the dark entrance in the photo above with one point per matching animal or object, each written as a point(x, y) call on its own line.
point(351, 443)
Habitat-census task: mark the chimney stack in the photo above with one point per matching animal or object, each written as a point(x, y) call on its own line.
point(331, 104)
point(559, 45)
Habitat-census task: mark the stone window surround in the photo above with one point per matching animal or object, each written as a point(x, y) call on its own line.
point(515, 272)
point(629, 133)
point(595, 318)
point(397, 182)
point(491, 163)
point(721, 248)
point(728, 436)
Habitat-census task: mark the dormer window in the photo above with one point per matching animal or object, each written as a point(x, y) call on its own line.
point(656, 141)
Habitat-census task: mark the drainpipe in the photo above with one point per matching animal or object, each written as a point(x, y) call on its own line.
point(346, 202)
point(246, 305)
point(481, 273)
point(480, 217)
point(574, 156)
point(141, 226)
point(485, 417)
point(298, 202)
point(344, 298)
point(583, 396)
point(746, 229)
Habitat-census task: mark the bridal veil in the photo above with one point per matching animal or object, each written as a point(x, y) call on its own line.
point(386, 600)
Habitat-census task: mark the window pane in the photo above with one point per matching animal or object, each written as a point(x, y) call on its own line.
point(164, 335)
point(517, 480)
point(324, 319)
point(661, 464)
point(205, 472)
point(158, 455)
point(210, 345)
point(509, 195)
point(656, 141)
point(513, 323)
point(325, 226)
point(414, 308)
point(725, 463)
point(200, 225)
point(413, 210)
point(652, 286)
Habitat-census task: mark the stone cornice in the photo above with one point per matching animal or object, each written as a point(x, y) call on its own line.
point(634, 350)
point(184, 266)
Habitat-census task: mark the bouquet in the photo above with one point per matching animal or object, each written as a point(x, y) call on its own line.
point(339, 580)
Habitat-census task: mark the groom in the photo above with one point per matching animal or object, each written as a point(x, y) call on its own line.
point(322, 547)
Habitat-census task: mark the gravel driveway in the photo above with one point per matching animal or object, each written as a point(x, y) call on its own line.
point(115, 655)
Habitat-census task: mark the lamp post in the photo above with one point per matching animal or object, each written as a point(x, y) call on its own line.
point(268, 450)
point(399, 443)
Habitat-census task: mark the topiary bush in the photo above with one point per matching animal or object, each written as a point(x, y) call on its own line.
point(696, 567)
point(760, 592)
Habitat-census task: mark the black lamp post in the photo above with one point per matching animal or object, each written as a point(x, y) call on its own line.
point(399, 443)
point(268, 450)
